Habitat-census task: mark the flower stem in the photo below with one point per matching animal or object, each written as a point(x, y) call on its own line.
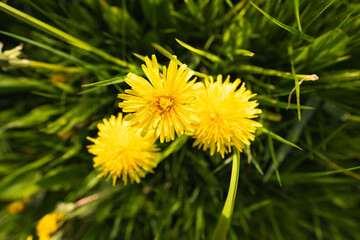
point(224, 221)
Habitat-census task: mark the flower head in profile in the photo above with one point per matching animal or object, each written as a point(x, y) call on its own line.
point(120, 151)
point(225, 116)
point(164, 104)
point(49, 224)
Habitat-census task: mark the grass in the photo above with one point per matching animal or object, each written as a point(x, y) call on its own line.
point(78, 53)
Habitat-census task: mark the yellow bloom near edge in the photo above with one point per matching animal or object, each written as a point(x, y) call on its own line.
point(165, 103)
point(225, 116)
point(120, 151)
point(49, 224)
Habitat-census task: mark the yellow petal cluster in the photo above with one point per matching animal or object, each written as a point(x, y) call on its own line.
point(226, 115)
point(165, 103)
point(49, 224)
point(121, 152)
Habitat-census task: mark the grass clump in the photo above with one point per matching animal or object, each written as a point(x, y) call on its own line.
point(297, 180)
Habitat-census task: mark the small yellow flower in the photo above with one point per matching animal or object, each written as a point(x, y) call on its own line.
point(225, 116)
point(49, 224)
point(163, 105)
point(16, 207)
point(121, 151)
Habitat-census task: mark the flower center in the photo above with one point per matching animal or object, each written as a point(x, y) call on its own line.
point(164, 103)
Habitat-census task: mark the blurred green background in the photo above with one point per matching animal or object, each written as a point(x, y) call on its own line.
point(74, 58)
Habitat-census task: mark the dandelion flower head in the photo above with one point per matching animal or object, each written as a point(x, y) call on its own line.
point(225, 116)
point(16, 207)
point(49, 224)
point(120, 151)
point(164, 104)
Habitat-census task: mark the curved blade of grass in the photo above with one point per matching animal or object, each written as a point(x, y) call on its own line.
point(282, 25)
point(61, 34)
point(277, 137)
point(209, 56)
point(224, 221)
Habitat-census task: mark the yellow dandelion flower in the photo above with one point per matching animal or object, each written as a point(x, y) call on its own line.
point(121, 151)
point(165, 104)
point(225, 116)
point(16, 207)
point(49, 224)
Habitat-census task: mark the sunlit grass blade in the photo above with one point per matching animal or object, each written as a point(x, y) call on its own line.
point(208, 55)
point(244, 52)
point(224, 220)
point(46, 66)
point(282, 25)
point(269, 72)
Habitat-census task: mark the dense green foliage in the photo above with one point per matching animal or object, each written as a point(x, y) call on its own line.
point(78, 62)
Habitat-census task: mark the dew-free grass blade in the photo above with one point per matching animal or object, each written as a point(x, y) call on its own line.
point(208, 55)
point(172, 148)
point(273, 156)
point(61, 34)
point(107, 82)
point(167, 54)
point(46, 47)
point(277, 137)
point(282, 25)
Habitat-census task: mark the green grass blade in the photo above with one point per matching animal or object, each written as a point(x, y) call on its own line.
point(269, 72)
point(167, 54)
point(209, 56)
point(46, 47)
point(284, 26)
point(297, 86)
point(277, 137)
point(296, 9)
point(60, 34)
point(224, 220)
point(273, 156)
point(107, 82)
point(172, 148)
